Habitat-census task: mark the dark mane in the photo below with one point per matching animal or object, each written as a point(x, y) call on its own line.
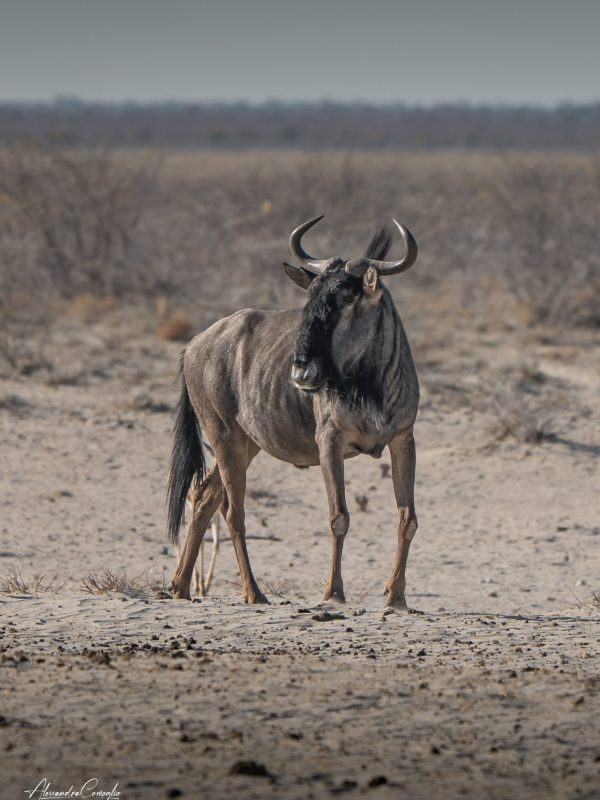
point(380, 244)
point(362, 387)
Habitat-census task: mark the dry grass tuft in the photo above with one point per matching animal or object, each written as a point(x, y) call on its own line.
point(360, 594)
point(276, 588)
point(591, 604)
point(176, 328)
point(106, 581)
point(13, 582)
point(90, 308)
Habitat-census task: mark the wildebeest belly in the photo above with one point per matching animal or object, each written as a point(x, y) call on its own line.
point(282, 423)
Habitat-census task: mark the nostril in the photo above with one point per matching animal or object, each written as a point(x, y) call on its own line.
point(305, 372)
point(310, 372)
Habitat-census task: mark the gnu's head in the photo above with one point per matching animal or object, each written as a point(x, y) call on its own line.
point(343, 305)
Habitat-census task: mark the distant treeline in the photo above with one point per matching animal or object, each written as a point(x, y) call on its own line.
point(73, 123)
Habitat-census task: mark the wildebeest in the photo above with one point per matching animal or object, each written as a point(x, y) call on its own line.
point(310, 386)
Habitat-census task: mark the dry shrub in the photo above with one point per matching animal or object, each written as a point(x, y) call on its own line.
point(210, 230)
point(21, 314)
point(8, 352)
point(75, 218)
point(13, 582)
point(360, 593)
point(545, 220)
point(521, 418)
point(106, 581)
point(176, 328)
point(90, 308)
point(276, 588)
point(591, 604)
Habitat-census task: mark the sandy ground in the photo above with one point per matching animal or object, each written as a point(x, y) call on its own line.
point(490, 689)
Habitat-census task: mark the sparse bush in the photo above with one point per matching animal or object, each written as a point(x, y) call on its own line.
point(276, 588)
point(74, 220)
point(510, 241)
point(592, 603)
point(106, 581)
point(13, 582)
point(547, 218)
point(521, 418)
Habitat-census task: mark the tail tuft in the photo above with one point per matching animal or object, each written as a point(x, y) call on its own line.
point(187, 461)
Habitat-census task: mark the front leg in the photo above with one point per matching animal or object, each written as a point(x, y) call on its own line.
point(402, 450)
point(331, 456)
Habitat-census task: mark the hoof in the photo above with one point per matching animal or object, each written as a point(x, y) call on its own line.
point(179, 594)
point(254, 597)
point(335, 596)
point(396, 601)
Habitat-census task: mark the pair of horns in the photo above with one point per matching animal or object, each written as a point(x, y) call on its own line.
point(356, 266)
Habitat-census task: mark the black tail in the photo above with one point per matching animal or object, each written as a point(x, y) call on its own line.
point(380, 244)
point(187, 461)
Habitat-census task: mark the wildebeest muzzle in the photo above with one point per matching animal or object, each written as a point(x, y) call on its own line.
point(307, 375)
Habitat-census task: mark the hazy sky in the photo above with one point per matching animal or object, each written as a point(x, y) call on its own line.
point(506, 51)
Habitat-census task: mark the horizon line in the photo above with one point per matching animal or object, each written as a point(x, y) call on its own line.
point(77, 101)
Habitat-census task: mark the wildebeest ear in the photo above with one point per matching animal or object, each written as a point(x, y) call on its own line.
point(371, 282)
point(301, 277)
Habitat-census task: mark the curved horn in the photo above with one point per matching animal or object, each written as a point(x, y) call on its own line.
point(299, 252)
point(410, 256)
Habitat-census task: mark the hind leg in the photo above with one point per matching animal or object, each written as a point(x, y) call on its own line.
point(234, 455)
point(207, 498)
point(199, 588)
point(213, 555)
point(202, 584)
point(199, 566)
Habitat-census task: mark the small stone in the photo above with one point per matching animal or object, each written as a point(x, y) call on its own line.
point(326, 616)
point(249, 767)
point(362, 501)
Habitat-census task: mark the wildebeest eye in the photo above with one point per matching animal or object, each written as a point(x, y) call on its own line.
point(347, 297)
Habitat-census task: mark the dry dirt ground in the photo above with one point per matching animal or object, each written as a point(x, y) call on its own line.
point(490, 689)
